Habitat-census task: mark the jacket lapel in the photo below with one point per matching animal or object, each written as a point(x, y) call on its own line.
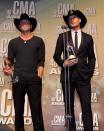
point(82, 43)
point(70, 41)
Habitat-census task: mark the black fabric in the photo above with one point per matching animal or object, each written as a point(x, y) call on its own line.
point(33, 90)
point(83, 89)
point(26, 56)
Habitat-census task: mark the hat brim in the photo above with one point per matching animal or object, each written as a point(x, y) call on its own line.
point(33, 22)
point(80, 15)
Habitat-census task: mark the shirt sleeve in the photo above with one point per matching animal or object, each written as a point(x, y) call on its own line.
point(11, 53)
point(41, 53)
point(58, 51)
point(91, 56)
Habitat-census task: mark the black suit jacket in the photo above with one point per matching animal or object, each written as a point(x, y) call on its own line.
point(86, 56)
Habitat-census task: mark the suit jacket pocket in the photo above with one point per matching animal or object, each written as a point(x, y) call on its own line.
point(84, 71)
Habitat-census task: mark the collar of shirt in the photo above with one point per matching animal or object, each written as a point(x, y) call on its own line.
point(79, 34)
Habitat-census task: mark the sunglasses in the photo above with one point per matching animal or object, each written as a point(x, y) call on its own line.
point(72, 17)
point(22, 22)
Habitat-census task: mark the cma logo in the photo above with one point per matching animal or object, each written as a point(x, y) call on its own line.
point(63, 8)
point(24, 7)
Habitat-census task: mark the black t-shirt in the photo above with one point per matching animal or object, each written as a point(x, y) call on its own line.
point(26, 56)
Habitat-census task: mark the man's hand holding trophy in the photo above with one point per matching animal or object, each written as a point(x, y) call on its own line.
point(72, 59)
point(8, 69)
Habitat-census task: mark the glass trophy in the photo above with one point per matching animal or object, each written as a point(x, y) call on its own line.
point(6, 62)
point(15, 79)
point(71, 56)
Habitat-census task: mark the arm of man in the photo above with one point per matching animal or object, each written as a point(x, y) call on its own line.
point(91, 56)
point(40, 71)
point(9, 61)
point(57, 55)
point(41, 59)
point(58, 51)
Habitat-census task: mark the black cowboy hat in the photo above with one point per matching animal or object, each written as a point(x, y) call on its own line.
point(77, 13)
point(24, 16)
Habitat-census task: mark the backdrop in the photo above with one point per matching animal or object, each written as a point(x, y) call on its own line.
point(49, 16)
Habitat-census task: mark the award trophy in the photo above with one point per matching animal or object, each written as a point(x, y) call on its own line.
point(8, 65)
point(71, 57)
point(7, 62)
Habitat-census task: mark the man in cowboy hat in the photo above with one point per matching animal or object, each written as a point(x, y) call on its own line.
point(81, 71)
point(26, 54)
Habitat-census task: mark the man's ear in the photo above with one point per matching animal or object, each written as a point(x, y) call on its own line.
point(80, 20)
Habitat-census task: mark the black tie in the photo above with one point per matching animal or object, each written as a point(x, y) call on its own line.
point(76, 42)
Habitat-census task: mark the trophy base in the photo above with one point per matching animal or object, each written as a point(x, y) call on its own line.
point(76, 59)
point(73, 58)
